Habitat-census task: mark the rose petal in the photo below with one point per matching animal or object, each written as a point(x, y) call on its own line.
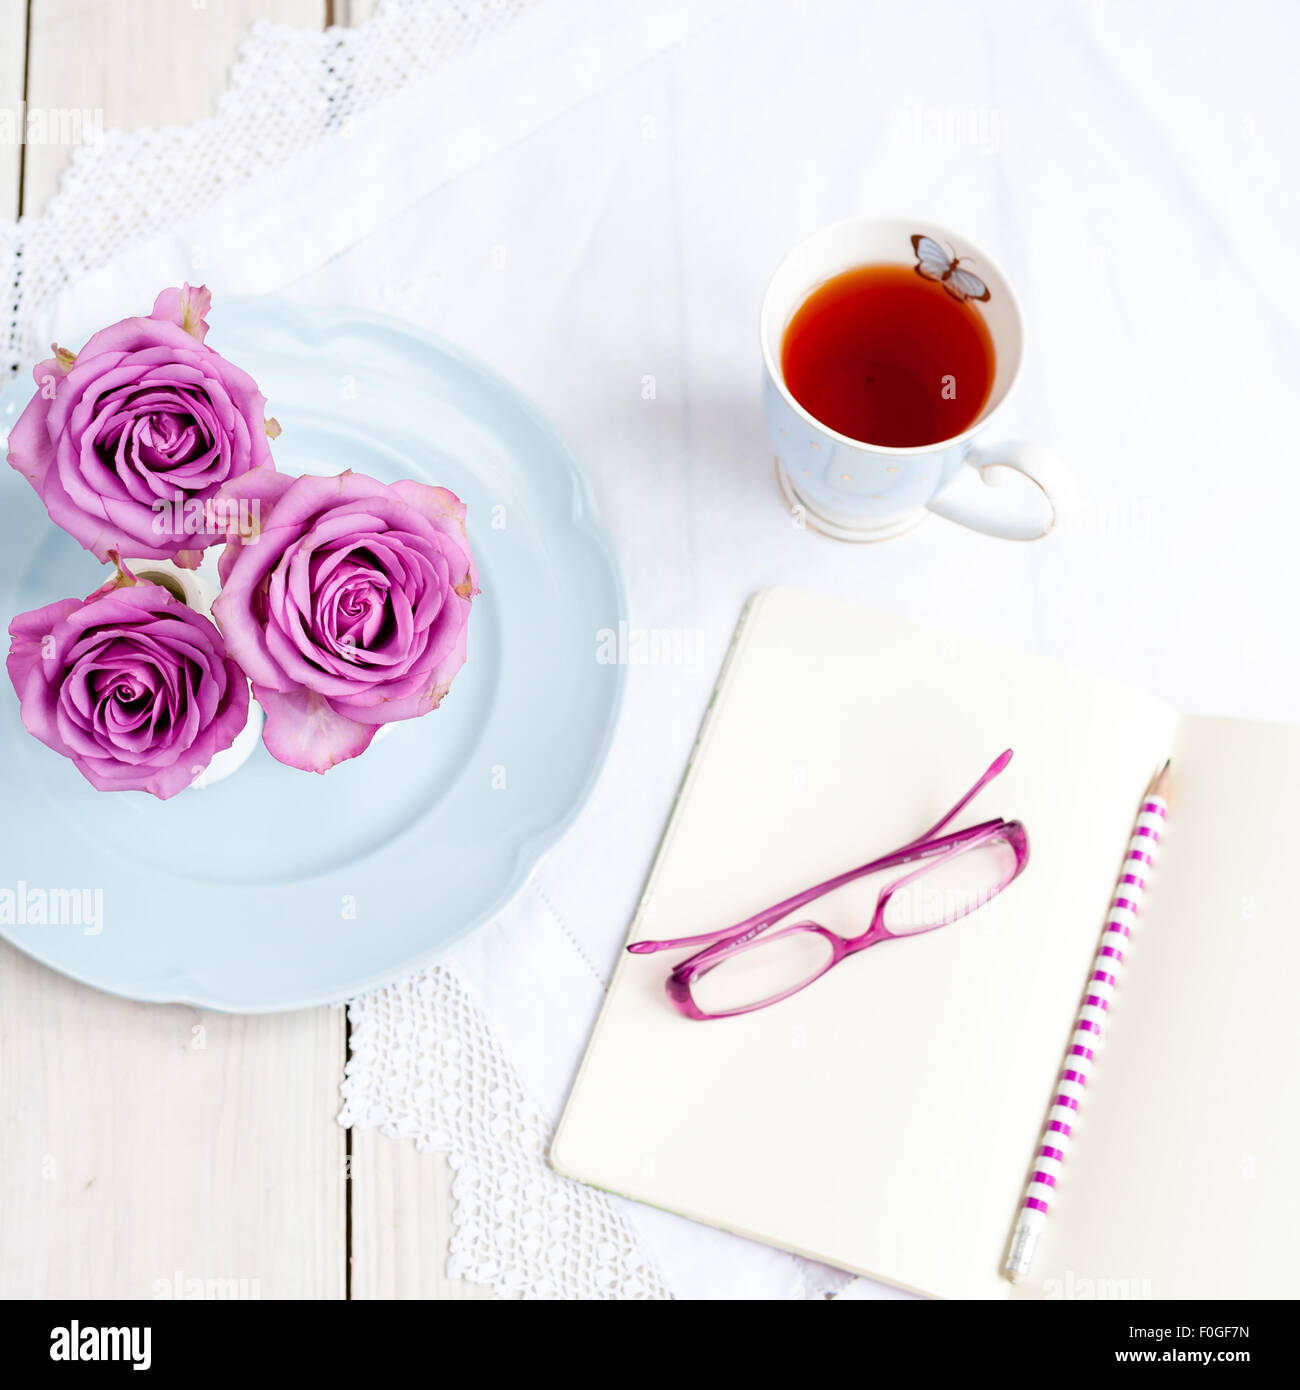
point(188, 307)
point(304, 732)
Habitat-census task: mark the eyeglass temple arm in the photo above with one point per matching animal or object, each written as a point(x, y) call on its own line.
point(783, 909)
point(997, 766)
point(738, 932)
point(750, 924)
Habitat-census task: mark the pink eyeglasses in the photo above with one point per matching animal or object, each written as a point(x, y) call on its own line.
point(746, 967)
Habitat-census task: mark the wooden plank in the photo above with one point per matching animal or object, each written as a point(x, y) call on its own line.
point(143, 1144)
point(401, 1222)
point(348, 14)
point(13, 49)
point(135, 63)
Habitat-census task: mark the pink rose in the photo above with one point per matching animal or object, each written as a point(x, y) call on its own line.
point(349, 610)
point(130, 684)
point(129, 440)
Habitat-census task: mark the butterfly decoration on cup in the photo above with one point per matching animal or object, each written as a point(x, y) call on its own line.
point(935, 262)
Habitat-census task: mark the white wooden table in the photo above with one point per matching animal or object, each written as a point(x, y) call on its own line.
point(140, 1142)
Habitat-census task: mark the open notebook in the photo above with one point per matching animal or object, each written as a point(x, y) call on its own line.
point(884, 1119)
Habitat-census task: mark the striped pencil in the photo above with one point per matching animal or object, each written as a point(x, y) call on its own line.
point(1106, 964)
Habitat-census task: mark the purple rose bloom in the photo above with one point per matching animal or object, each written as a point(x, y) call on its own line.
point(348, 610)
point(127, 441)
point(130, 684)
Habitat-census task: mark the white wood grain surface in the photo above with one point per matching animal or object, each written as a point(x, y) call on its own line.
point(400, 1199)
point(140, 1144)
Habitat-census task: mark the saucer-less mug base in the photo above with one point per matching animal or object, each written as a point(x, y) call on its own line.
point(841, 528)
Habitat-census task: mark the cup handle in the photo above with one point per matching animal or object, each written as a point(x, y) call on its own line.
point(1039, 508)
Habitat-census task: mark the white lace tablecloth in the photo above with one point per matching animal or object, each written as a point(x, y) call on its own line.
point(590, 196)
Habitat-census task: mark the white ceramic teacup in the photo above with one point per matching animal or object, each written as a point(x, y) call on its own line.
point(857, 491)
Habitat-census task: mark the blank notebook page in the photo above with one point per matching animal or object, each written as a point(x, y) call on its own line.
point(1181, 1182)
point(883, 1119)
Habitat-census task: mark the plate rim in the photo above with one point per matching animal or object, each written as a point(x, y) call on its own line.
point(585, 516)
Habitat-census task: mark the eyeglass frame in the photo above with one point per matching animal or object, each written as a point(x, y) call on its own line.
point(727, 942)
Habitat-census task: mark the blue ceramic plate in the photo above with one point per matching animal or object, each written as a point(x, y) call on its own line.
point(277, 889)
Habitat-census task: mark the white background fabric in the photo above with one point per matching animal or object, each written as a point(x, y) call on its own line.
point(592, 197)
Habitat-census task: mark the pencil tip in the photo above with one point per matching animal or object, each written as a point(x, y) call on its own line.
point(1160, 782)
